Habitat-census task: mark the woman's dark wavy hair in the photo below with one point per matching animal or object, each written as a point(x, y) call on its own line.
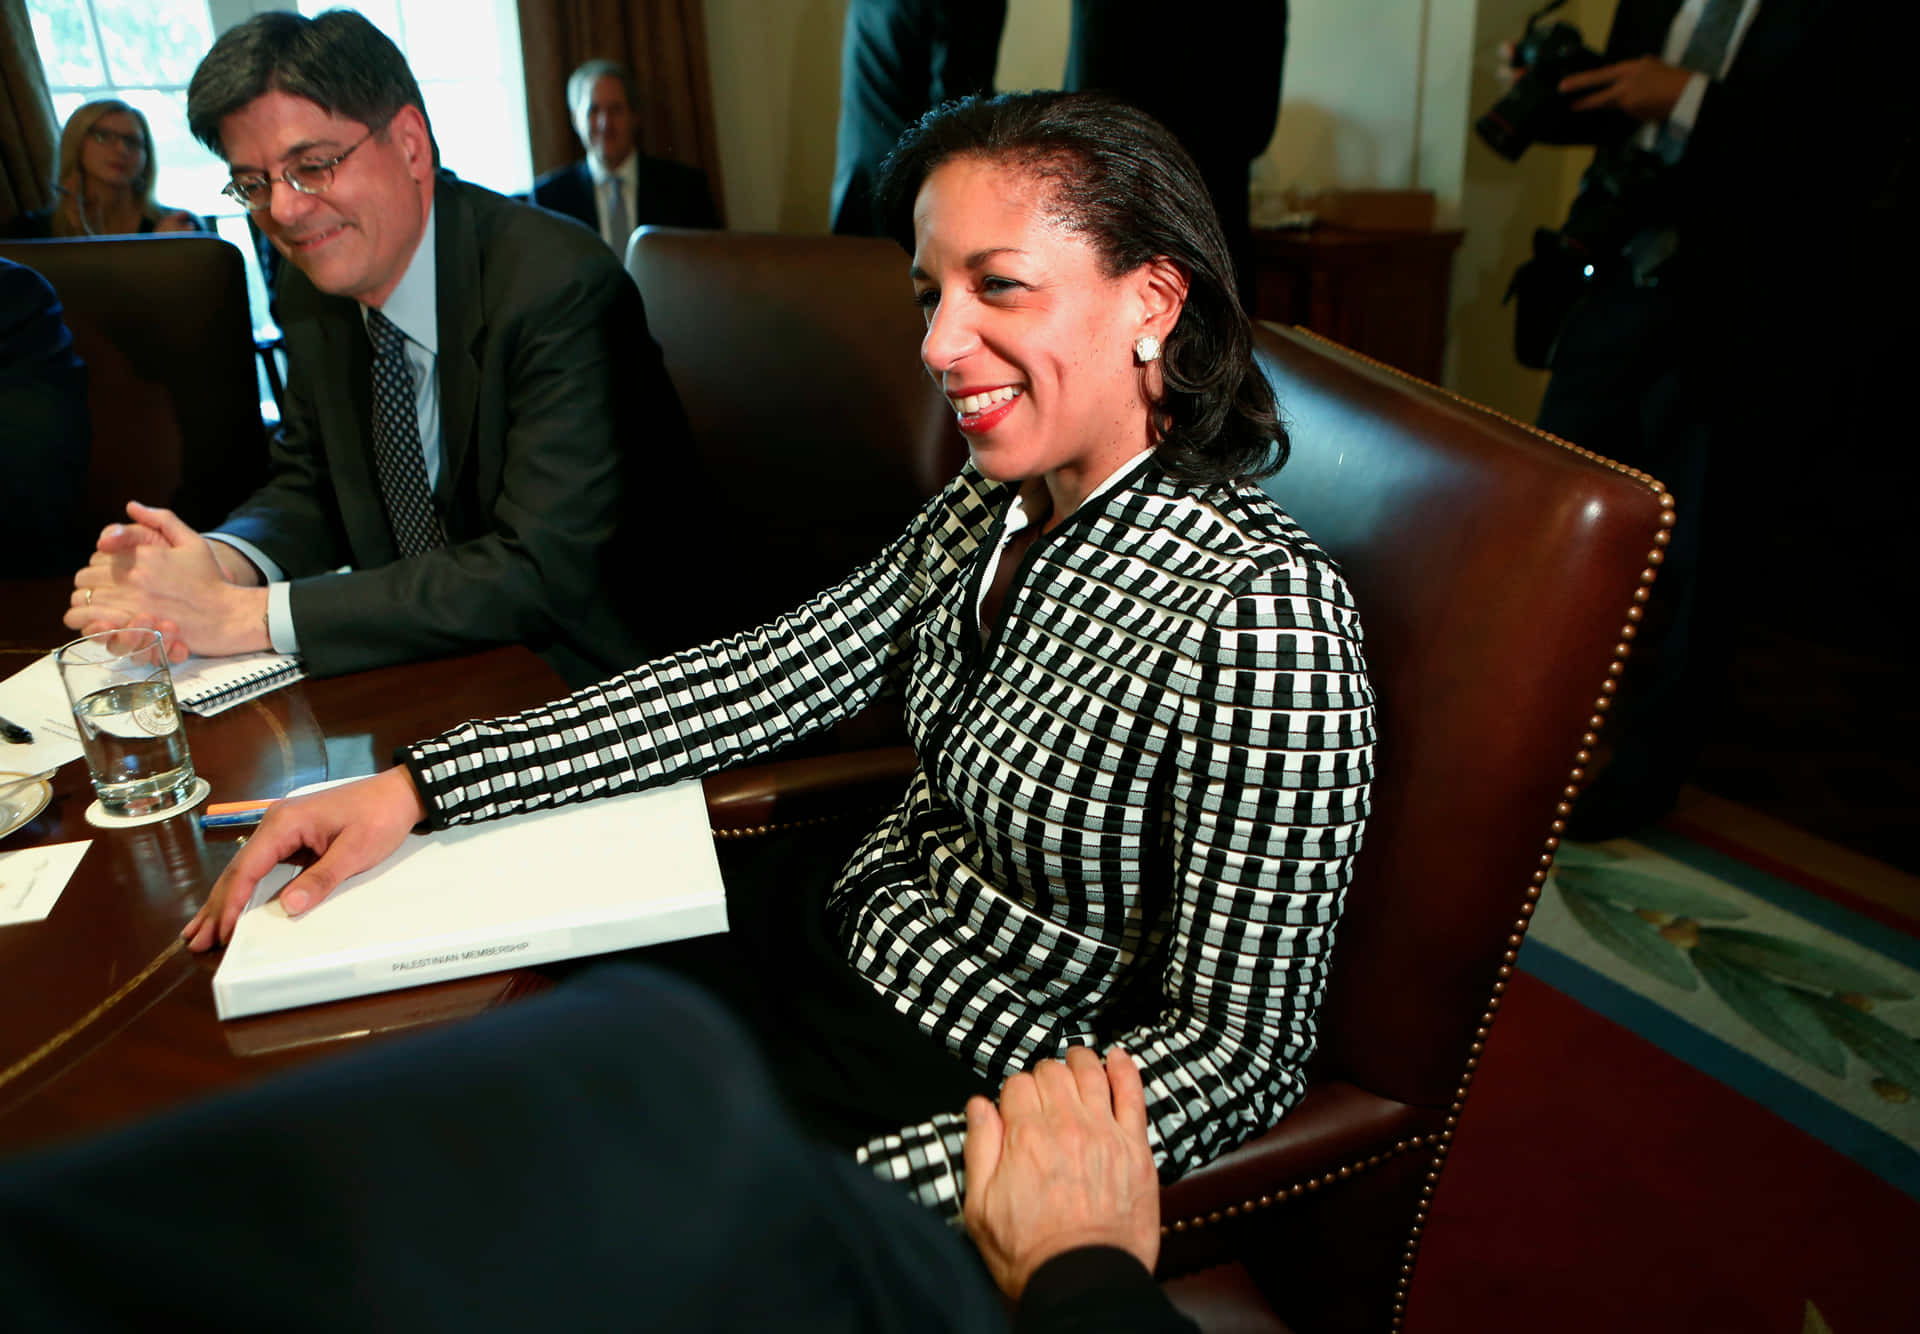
point(1121, 180)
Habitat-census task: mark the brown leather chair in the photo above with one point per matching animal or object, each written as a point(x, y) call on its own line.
point(1499, 575)
point(162, 325)
point(816, 433)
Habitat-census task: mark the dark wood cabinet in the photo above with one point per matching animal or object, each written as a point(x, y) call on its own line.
point(1383, 293)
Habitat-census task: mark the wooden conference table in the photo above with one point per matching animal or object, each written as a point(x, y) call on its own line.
point(105, 1017)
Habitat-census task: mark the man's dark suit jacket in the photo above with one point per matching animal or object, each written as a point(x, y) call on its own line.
point(1805, 99)
point(671, 194)
point(548, 378)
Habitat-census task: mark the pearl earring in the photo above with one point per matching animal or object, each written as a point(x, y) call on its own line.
point(1147, 348)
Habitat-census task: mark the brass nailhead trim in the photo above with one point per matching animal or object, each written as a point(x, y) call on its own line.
point(1298, 1188)
point(1661, 538)
point(762, 830)
point(1528, 427)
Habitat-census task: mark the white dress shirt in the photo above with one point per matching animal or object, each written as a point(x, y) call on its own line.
point(1670, 136)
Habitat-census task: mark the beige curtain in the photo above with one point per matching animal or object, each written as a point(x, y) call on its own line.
point(665, 43)
point(28, 136)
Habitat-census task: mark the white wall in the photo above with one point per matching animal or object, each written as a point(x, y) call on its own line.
point(1350, 96)
point(776, 97)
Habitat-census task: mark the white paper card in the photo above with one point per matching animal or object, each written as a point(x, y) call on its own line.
point(32, 878)
point(34, 698)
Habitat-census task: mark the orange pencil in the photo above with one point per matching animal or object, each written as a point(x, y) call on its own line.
point(236, 807)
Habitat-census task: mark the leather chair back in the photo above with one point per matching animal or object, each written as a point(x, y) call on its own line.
point(1494, 569)
point(162, 325)
point(1499, 575)
point(816, 430)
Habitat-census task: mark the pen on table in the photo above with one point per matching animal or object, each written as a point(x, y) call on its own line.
point(234, 814)
point(15, 733)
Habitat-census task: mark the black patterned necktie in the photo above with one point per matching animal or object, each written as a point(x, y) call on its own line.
point(396, 443)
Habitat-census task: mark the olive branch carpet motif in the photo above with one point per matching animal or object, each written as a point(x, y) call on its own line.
point(1789, 998)
point(1698, 1109)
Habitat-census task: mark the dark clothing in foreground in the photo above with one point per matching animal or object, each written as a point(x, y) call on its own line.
point(609, 1156)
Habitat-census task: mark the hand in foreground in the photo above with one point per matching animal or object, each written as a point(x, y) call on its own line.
point(1643, 87)
point(350, 828)
point(162, 574)
point(1063, 1162)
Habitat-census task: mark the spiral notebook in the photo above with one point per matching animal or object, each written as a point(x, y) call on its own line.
point(207, 686)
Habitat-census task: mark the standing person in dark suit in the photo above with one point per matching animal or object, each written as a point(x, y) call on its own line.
point(618, 187)
point(1673, 358)
point(899, 59)
point(44, 430)
point(467, 377)
point(1213, 78)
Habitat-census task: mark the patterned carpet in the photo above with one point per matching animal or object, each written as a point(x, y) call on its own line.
point(1700, 1106)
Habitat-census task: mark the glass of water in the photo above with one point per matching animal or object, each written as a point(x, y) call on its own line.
point(122, 695)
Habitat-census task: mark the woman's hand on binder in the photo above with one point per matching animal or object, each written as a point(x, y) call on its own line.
point(347, 829)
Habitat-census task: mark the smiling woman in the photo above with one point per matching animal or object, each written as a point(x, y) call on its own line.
point(1134, 686)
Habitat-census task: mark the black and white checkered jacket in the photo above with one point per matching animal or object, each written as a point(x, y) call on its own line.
point(1136, 810)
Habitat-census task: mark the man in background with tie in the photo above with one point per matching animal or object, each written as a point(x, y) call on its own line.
point(618, 187)
point(469, 383)
point(1676, 357)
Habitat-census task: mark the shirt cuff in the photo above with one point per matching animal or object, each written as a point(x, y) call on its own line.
point(280, 634)
point(269, 567)
point(1686, 109)
point(280, 631)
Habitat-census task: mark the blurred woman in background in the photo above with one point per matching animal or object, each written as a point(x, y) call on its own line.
point(104, 184)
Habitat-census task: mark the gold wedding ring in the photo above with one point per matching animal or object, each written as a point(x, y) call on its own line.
point(89, 597)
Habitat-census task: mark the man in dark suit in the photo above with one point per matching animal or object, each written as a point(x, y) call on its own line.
point(899, 59)
point(618, 187)
point(466, 378)
point(1213, 79)
point(1674, 358)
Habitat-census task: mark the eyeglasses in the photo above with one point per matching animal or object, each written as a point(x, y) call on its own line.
point(101, 135)
point(255, 192)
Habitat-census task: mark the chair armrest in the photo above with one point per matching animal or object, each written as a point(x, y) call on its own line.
point(761, 798)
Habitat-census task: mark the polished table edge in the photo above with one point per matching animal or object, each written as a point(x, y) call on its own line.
point(121, 1037)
